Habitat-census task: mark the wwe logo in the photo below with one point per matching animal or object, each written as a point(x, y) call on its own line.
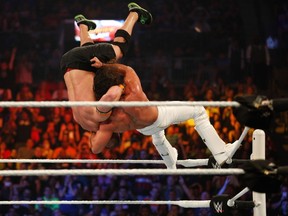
point(218, 206)
point(216, 165)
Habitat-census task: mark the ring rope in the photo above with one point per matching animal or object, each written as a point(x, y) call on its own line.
point(115, 103)
point(182, 203)
point(120, 172)
point(186, 163)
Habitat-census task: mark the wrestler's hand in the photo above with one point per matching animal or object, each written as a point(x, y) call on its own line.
point(99, 140)
point(91, 140)
point(92, 135)
point(95, 62)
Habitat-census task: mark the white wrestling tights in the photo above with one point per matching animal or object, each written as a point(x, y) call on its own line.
point(175, 115)
point(168, 115)
point(164, 148)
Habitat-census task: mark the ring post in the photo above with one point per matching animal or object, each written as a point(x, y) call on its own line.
point(258, 152)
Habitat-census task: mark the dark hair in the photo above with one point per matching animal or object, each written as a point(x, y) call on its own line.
point(104, 78)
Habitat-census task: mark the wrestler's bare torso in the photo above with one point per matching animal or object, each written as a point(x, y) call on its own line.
point(79, 85)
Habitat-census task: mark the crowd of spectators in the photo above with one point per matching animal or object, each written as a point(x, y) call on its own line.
point(215, 66)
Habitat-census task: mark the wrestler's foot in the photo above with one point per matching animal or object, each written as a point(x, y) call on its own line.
point(80, 19)
point(145, 16)
point(226, 156)
point(171, 158)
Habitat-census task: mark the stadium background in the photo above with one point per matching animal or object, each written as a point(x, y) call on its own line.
point(194, 50)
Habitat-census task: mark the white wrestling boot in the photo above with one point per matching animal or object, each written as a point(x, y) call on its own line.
point(221, 152)
point(227, 155)
point(170, 158)
point(168, 153)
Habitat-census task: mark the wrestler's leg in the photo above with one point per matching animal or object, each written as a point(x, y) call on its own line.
point(164, 148)
point(84, 25)
point(220, 151)
point(173, 115)
point(121, 41)
point(84, 35)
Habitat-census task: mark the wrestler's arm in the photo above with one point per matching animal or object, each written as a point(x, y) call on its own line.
point(114, 93)
point(79, 89)
point(91, 116)
point(95, 62)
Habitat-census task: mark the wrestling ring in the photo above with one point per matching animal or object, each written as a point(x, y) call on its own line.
point(219, 205)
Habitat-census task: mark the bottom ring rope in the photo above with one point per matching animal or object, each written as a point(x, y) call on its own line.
point(181, 203)
point(186, 163)
point(119, 172)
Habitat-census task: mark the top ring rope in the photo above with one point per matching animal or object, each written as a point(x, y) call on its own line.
point(116, 103)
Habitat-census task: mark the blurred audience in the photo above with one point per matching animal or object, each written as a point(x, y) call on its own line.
point(213, 68)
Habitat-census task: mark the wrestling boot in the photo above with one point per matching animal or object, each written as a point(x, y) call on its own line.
point(170, 158)
point(168, 153)
point(227, 154)
point(221, 152)
point(80, 19)
point(145, 16)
